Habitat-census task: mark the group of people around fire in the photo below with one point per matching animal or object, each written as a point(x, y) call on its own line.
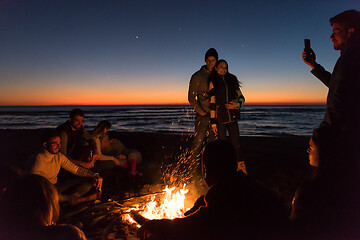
point(236, 205)
point(239, 207)
point(34, 197)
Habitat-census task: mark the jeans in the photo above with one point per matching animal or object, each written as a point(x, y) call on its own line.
point(77, 185)
point(201, 127)
point(233, 129)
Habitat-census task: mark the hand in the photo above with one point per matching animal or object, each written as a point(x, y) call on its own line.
point(309, 58)
point(201, 112)
point(214, 129)
point(113, 140)
point(95, 157)
point(232, 105)
point(86, 164)
point(121, 156)
point(98, 182)
point(116, 161)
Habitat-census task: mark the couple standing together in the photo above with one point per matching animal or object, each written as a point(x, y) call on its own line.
point(215, 95)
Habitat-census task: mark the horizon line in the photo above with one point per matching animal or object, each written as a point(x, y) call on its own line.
point(162, 104)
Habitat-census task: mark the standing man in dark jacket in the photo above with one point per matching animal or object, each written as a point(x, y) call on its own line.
point(200, 100)
point(343, 102)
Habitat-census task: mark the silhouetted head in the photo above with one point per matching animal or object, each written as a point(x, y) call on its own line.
point(102, 127)
point(346, 29)
point(219, 161)
point(76, 118)
point(8, 174)
point(31, 200)
point(211, 56)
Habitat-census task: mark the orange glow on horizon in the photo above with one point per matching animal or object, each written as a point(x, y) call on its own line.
point(146, 96)
point(164, 100)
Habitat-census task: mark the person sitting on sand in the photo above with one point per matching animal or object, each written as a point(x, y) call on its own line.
point(76, 143)
point(237, 206)
point(325, 207)
point(48, 163)
point(8, 173)
point(113, 152)
point(29, 203)
point(60, 232)
point(30, 208)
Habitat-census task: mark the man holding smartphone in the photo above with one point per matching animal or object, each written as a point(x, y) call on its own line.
point(343, 97)
point(339, 164)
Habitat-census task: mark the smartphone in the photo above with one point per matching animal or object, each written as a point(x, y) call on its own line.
point(307, 49)
point(307, 44)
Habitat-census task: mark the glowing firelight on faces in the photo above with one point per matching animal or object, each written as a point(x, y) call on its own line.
point(170, 205)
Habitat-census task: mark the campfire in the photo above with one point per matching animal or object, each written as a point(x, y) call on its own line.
point(169, 203)
point(121, 217)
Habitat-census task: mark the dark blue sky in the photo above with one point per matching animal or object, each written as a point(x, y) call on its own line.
point(136, 51)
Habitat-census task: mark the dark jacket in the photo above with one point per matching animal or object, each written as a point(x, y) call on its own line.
point(198, 90)
point(323, 209)
point(224, 89)
point(343, 99)
point(73, 142)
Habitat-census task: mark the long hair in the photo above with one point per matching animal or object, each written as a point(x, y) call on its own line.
point(99, 129)
point(31, 200)
point(214, 76)
point(332, 151)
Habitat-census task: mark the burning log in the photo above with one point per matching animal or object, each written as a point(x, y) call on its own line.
point(141, 196)
point(138, 217)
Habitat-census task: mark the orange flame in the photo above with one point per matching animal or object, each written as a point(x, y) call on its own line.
point(170, 206)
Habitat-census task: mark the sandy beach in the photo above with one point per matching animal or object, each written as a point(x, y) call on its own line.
point(279, 162)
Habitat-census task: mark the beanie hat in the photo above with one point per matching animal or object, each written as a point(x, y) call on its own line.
point(211, 52)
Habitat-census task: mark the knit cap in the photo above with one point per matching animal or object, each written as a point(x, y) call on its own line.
point(211, 52)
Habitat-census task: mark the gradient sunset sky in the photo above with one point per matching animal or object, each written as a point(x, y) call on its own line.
point(73, 52)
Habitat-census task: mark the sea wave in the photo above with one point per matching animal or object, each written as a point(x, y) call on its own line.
point(255, 120)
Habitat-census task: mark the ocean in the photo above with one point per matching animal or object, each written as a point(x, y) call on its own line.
point(273, 120)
